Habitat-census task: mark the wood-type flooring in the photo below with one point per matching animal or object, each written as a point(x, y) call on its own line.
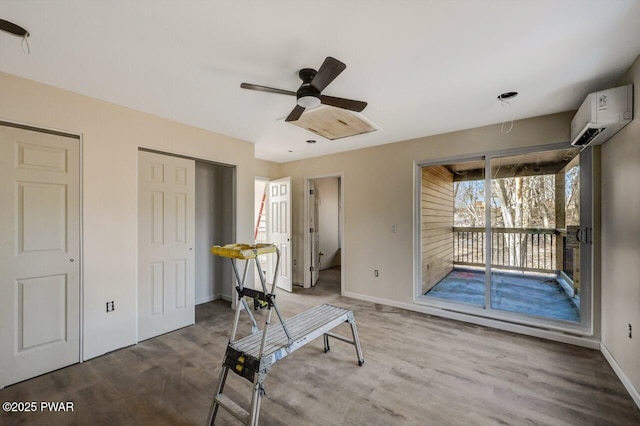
point(419, 370)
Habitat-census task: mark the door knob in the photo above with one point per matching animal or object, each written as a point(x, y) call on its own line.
point(71, 260)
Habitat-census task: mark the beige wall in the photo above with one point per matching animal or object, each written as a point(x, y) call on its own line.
point(266, 169)
point(620, 237)
point(111, 137)
point(379, 192)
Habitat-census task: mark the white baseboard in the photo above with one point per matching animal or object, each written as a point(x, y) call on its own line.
point(212, 297)
point(206, 299)
point(621, 375)
point(557, 336)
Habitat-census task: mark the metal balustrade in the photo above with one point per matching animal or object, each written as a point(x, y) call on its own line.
point(524, 249)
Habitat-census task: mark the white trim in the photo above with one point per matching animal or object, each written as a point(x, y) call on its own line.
point(587, 342)
point(81, 254)
point(212, 297)
point(635, 395)
point(188, 156)
point(558, 325)
point(206, 299)
point(306, 255)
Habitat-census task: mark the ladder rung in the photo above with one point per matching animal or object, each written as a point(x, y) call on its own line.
point(237, 411)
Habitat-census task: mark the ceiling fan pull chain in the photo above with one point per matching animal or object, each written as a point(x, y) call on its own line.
point(25, 44)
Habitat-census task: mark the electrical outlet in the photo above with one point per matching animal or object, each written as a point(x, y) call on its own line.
point(295, 262)
point(630, 331)
point(375, 272)
point(111, 306)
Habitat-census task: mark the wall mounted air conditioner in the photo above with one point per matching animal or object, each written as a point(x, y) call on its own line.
point(602, 115)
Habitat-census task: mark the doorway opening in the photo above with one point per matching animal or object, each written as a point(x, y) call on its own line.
point(215, 225)
point(324, 241)
point(272, 219)
point(260, 221)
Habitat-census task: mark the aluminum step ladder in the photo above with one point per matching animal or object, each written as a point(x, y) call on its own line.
point(251, 357)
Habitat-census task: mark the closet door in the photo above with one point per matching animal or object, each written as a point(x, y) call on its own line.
point(39, 253)
point(166, 234)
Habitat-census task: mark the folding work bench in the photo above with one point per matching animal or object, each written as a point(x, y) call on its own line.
point(251, 357)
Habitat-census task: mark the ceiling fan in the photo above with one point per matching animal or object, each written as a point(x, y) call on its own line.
point(309, 94)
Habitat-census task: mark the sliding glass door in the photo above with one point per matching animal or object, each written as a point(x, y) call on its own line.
point(534, 216)
point(503, 234)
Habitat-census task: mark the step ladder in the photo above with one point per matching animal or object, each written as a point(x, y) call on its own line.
point(251, 357)
point(261, 224)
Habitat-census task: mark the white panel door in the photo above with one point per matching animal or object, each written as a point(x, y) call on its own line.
point(166, 234)
point(279, 228)
point(39, 253)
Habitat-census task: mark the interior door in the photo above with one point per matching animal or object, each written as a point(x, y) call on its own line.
point(166, 234)
point(39, 253)
point(279, 217)
point(314, 219)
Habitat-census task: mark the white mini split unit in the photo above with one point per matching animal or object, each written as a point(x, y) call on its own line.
point(602, 115)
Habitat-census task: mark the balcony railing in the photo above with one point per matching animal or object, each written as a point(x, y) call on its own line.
point(524, 249)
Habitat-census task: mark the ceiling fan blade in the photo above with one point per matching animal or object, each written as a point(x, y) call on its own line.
point(295, 114)
point(12, 28)
point(349, 104)
point(329, 70)
point(266, 89)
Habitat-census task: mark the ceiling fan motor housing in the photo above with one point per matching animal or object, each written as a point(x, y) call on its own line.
point(307, 74)
point(307, 95)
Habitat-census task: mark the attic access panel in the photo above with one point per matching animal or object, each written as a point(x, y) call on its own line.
point(333, 123)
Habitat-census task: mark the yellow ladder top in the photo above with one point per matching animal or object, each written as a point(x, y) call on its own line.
point(243, 251)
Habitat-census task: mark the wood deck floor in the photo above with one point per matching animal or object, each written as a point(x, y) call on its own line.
point(419, 370)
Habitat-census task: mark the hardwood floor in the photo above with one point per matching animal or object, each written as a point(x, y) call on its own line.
point(419, 370)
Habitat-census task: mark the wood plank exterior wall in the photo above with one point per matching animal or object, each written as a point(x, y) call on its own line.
point(437, 225)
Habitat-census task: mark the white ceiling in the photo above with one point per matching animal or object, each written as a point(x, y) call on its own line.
point(424, 67)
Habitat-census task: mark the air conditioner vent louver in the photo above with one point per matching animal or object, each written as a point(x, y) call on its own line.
point(587, 137)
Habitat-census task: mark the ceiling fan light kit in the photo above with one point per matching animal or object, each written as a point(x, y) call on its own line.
point(309, 94)
point(309, 101)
